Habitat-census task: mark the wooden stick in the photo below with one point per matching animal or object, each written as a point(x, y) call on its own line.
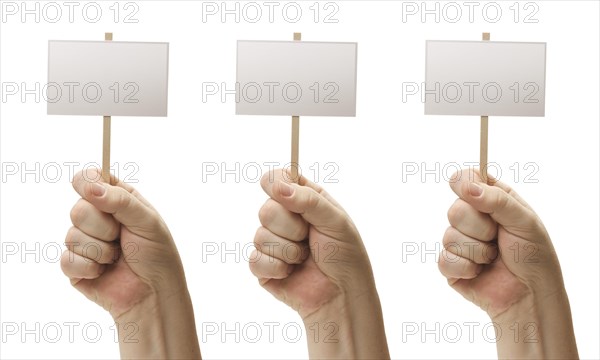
point(295, 164)
point(106, 136)
point(483, 149)
point(483, 141)
point(295, 148)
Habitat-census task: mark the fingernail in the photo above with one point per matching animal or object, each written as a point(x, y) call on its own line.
point(98, 189)
point(285, 189)
point(475, 190)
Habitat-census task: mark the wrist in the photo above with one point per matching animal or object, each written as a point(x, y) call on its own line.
point(141, 330)
point(349, 326)
point(538, 326)
point(159, 327)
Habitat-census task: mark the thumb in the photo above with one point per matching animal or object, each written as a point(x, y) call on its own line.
point(503, 207)
point(126, 208)
point(313, 207)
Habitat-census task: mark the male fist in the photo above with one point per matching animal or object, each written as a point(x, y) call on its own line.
point(310, 256)
point(498, 255)
point(119, 250)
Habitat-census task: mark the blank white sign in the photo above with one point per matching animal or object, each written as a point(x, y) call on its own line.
point(485, 78)
point(300, 78)
point(107, 78)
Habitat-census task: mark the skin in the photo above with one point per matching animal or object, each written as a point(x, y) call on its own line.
point(310, 256)
point(498, 255)
point(120, 254)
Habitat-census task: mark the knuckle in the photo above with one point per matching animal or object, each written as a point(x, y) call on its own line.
point(501, 200)
point(123, 199)
point(90, 175)
point(298, 234)
point(267, 178)
point(253, 262)
point(464, 266)
point(111, 232)
point(281, 267)
point(65, 261)
point(450, 237)
point(78, 212)
point(267, 212)
point(312, 200)
point(260, 237)
point(456, 212)
point(467, 268)
point(455, 177)
point(72, 237)
point(91, 267)
point(442, 263)
point(300, 231)
point(490, 231)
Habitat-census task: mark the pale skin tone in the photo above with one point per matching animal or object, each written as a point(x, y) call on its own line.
point(120, 254)
point(310, 256)
point(499, 256)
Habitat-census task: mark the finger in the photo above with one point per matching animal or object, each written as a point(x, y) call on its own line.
point(471, 222)
point(126, 208)
point(474, 175)
point(286, 176)
point(91, 248)
point(502, 207)
point(459, 244)
point(456, 267)
point(75, 266)
point(94, 222)
point(495, 182)
point(282, 222)
point(95, 175)
point(275, 246)
point(265, 266)
point(315, 208)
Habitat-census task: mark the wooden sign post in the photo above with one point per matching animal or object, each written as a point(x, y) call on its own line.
point(295, 164)
point(485, 78)
point(296, 78)
point(106, 136)
point(483, 141)
point(104, 78)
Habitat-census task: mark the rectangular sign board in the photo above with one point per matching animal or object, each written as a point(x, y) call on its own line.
point(107, 78)
point(486, 78)
point(300, 78)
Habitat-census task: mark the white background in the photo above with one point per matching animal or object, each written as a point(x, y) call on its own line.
point(373, 153)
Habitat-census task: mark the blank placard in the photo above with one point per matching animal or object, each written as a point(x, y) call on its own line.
point(485, 78)
point(107, 78)
point(300, 78)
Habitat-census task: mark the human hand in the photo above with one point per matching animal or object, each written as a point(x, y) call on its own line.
point(310, 256)
point(121, 255)
point(498, 255)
